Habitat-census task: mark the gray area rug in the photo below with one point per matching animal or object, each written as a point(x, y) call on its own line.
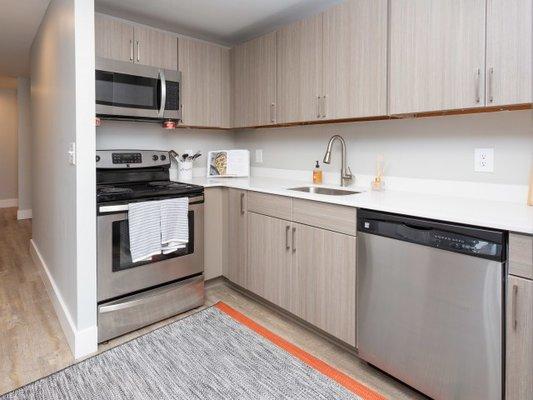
point(207, 355)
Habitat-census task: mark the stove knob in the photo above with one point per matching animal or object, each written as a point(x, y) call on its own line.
point(163, 157)
point(97, 158)
point(155, 157)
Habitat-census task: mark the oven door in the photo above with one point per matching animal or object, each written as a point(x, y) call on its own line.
point(118, 275)
point(132, 91)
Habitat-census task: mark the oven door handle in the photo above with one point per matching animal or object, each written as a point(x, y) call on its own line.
point(125, 207)
point(135, 302)
point(113, 209)
point(163, 93)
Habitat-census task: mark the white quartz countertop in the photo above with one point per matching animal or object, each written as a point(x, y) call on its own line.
point(508, 216)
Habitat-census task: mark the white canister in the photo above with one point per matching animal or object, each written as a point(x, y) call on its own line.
point(185, 170)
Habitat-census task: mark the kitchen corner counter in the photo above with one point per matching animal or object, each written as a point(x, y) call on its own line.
point(508, 216)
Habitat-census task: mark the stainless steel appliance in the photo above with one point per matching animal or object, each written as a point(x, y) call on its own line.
point(135, 294)
point(131, 91)
point(430, 304)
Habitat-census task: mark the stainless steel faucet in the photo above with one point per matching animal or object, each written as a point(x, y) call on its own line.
point(346, 172)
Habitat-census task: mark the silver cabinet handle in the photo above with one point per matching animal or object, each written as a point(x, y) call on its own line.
point(478, 85)
point(287, 229)
point(163, 93)
point(272, 112)
point(242, 203)
point(131, 50)
point(318, 106)
point(294, 240)
point(324, 106)
point(490, 83)
point(138, 51)
point(515, 307)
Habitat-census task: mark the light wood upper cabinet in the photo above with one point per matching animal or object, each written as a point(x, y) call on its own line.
point(155, 48)
point(269, 259)
point(205, 79)
point(355, 59)
point(324, 263)
point(299, 82)
point(509, 48)
point(124, 41)
point(113, 38)
point(437, 55)
point(519, 360)
point(237, 270)
point(253, 75)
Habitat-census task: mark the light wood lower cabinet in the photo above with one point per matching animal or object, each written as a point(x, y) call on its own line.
point(519, 349)
point(269, 259)
point(324, 265)
point(306, 270)
point(237, 237)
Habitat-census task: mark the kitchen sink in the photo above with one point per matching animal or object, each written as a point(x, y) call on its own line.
point(323, 190)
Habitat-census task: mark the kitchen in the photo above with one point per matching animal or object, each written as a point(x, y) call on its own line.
point(398, 265)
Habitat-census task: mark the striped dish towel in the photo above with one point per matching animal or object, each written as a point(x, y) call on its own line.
point(145, 230)
point(174, 224)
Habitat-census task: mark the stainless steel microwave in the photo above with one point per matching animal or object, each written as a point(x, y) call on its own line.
point(136, 92)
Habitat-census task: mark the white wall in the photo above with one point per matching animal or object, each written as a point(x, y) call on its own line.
point(8, 147)
point(63, 195)
point(430, 148)
point(24, 148)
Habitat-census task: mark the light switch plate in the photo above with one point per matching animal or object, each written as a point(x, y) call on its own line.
point(72, 153)
point(259, 156)
point(484, 160)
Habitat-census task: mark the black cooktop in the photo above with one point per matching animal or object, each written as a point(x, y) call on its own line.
point(145, 190)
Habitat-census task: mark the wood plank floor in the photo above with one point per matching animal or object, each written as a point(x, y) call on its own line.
point(32, 344)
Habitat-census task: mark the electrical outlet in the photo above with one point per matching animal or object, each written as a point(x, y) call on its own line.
point(484, 160)
point(259, 156)
point(72, 153)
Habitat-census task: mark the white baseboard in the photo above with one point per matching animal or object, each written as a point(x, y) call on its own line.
point(24, 214)
point(8, 203)
point(81, 342)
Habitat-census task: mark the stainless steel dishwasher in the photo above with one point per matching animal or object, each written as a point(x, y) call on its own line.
point(430, 304)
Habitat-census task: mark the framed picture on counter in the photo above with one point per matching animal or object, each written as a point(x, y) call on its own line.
point(228, 163)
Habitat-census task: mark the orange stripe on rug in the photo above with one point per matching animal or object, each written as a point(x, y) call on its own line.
point(326, 369)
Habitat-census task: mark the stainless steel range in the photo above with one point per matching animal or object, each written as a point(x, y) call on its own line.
point(135, 294)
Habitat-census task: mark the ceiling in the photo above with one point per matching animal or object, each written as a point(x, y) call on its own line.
point(19, 21)
point(222, 21)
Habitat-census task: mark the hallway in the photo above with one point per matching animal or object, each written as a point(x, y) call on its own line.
point(32, 343)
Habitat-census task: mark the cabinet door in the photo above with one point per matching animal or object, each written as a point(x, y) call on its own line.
point(519, 368)
point(325, 265)
point(437, 55)
point(269, 259)
point(509, 43)
point(205, 80)
point(237, 237)
point(113, 38)
point(155, 48)
point(299, 82)
point(253, 70)
point(355, 59)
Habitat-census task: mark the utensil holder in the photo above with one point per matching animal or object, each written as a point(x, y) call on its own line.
point(185, 170)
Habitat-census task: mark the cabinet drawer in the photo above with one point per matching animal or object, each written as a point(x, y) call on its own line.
point(328, 216)
point(268, 204)
point(521, 255)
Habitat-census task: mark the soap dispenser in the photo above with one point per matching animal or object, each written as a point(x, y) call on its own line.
point(317, 174)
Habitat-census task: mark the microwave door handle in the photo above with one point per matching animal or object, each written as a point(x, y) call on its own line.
point(163, 93)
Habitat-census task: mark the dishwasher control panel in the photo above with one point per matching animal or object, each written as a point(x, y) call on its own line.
point(463, 239)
